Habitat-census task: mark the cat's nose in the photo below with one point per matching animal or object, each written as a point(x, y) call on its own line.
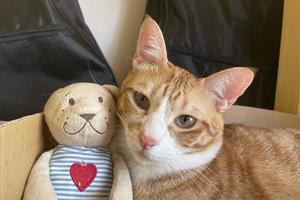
point(147, 142)
point(87, 116)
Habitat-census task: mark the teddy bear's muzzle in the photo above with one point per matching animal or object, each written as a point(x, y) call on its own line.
point(87, 117)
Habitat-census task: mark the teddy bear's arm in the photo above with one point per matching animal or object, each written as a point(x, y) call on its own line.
point(39, 186)
point(122, 186)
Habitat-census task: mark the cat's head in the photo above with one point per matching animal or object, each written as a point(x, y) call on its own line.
point(168, 113)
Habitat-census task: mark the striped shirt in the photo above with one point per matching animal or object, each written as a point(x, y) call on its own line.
point(62, 159)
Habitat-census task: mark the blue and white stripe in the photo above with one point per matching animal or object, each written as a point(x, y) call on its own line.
point(61, 161)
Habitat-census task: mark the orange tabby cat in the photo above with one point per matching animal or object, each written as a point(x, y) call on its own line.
point(175, 142)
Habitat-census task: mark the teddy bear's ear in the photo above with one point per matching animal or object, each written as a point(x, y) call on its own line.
point(113, 90)
point(52, 105)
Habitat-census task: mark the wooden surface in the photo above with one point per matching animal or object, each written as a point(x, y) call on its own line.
point(288, 84)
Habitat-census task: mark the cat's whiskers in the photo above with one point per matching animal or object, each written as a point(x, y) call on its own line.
point(182, 177)
point(119, 115)
point(204, 71)
point(204, 179)
point(209, 182)
point(197, 182)
point(91, 74)
point(216, 176)
point(212, 172)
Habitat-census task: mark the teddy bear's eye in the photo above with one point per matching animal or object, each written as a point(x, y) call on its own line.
point(100, 99)
point(71, 101)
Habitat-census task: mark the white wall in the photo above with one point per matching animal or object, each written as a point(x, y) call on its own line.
point(115, 25)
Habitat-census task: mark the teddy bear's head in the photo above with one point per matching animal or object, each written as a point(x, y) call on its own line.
point(82, 114)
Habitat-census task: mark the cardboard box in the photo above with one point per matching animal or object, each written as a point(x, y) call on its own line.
point(21, 143)
point(23, 140)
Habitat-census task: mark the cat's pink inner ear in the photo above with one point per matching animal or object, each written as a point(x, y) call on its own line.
point(151, 45)
point(228, 85)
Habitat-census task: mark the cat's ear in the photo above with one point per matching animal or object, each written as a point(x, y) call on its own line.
point(228, 85)
point(151, 47)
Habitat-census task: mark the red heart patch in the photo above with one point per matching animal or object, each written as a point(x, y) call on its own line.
point(83, 175)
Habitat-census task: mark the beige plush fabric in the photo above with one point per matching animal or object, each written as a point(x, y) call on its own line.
point(39, 186)
point(81, 114)
point(122, 186)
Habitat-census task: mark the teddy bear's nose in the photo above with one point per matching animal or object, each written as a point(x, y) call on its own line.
point(87, 116)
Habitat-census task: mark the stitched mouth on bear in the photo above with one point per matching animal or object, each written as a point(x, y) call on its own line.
point(84, 125)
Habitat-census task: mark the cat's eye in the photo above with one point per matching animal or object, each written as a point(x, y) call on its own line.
point(185, 121)
point(71, 101)
point(141, 101)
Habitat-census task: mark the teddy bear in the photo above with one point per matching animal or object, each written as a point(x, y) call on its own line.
point(82, 119)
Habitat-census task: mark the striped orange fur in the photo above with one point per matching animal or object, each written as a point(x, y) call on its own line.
point(203, 159)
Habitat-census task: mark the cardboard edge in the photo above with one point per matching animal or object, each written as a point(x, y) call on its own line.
point(30, 133)
point(258, 117)
point(7, 123)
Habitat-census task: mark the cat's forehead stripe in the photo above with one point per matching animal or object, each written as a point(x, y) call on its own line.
point(179, 85)
point(174, 95)
point(165, 90)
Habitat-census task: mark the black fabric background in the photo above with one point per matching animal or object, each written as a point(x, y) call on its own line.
point(206, 36)
point(44, 45)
